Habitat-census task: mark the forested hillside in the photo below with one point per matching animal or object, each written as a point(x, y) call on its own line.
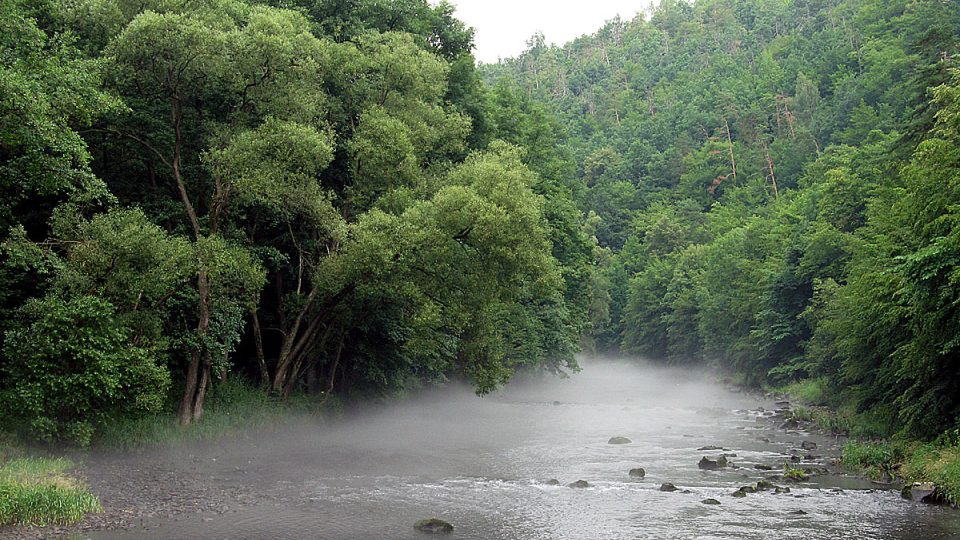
point(315, 195)
point(776, 185)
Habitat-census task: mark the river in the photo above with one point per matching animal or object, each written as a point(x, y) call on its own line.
point(483, 464)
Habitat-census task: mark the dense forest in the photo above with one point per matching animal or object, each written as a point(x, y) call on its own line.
point(330, 197)
point(320, 196)
point(775, 186)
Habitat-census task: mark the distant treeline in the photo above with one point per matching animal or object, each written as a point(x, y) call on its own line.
point(776, 184)
point(319, 195)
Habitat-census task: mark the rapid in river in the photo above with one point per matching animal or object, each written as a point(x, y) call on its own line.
point(483, 465)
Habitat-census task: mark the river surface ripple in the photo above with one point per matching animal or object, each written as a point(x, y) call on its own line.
point(482, 464)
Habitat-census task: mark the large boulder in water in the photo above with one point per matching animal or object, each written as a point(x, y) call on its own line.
point(638, 472)
point(619, 440)
point(667, 486)
point(579, 484)
point(708, 464)
point(433, 526)
point(926, 492)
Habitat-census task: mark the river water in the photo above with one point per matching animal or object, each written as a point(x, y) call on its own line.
point(483, 464)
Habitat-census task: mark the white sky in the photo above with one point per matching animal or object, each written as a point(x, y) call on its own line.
point(504, 26)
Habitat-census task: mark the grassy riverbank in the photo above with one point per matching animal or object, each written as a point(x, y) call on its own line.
point(876, 456)
point(40, 491)
point(233, 407)
point(36, 490)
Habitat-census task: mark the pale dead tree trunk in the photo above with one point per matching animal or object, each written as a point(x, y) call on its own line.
point(773, 177)
point(733, 159)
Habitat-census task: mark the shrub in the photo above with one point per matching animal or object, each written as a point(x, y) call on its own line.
point(70, 365)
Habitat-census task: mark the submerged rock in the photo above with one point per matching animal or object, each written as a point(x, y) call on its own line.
point(552, 482)
point(638, 472)
point(709, 447)
point(738, 493)
point(619, 440)
point(762, 467)
point(433, 526)
point(667, 486)
point(798, 513)
point(779, 489)
point(579, 484)
point(710, 501)
point(808, 445)
point(748, 489)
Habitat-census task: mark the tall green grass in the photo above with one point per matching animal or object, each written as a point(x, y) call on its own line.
point(937, 462)
point(38, 491)
point(233, 407)
point(807, 391)
point(873, 458)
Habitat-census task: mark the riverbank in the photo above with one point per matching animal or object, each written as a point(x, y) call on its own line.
point(50, 492)
point(39, 491)
point(882, 459)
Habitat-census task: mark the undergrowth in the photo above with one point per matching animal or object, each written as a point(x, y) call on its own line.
point(232, 408)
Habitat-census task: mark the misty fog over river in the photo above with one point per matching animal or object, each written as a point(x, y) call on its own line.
point(483, 464)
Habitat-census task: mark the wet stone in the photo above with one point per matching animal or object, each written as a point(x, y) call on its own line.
point(433, 526)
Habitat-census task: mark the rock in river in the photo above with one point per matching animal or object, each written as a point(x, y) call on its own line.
point(710, 501)
point(552, 482)
point(579, 484)
point(808, 445)
point(638, 472)
point(667, 486)
point(433, 526)
point(790, 424)
point(619, 440)
point(708, 464)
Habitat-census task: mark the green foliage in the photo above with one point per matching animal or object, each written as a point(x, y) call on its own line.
point(747, 164)
point(234, 408)
point(874, 459)
point(36, 491)
point(71, 365)
point(793, 474)
point(937, 462)
point(807, 391)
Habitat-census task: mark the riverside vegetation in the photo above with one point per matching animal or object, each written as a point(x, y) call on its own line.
point(330, 199)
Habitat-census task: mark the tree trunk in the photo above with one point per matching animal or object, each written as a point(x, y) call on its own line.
point(258, 345)
point(194, 392)
point(201, 391)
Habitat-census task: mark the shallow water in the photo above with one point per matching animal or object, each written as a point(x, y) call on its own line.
point(482, 465)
